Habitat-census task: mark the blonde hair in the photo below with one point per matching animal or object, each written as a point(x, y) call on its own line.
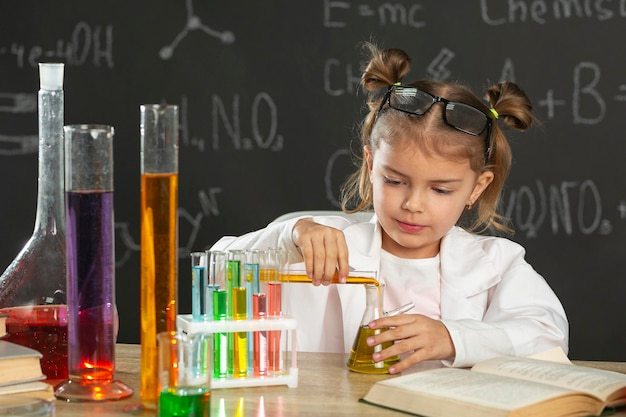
point(389, 66)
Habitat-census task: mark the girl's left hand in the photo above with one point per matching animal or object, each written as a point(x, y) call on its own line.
point(424, 338)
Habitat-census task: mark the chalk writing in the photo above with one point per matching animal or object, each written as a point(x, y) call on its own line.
point(546, 11)
point(329, 176)
point(88, 44)
point(437, 68)
point(336, 74)
point(270, 139)
point(187, 139)
point(194, 23)
point(568, 207)
point(387, 13)
point(263, 125)
point(588, 105)
point(18, 103)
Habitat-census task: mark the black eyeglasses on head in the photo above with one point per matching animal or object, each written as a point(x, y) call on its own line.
point(460, 116)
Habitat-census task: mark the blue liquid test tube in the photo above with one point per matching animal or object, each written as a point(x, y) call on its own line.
point(198, 283)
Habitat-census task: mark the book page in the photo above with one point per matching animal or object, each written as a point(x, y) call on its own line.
point(477, 388)
point(597, 382)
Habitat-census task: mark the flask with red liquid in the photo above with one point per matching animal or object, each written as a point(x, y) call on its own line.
point(33, 287)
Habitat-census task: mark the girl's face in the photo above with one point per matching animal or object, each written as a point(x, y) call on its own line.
point(419, 198)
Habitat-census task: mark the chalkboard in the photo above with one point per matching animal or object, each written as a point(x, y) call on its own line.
point(269, 103)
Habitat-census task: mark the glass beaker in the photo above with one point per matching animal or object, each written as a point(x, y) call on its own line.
point(185, 362)
point(361, 354)
point(159, 237)
point(90, 248)
point(32, 288)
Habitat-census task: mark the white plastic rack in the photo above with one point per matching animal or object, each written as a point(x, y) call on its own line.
point(286, 325)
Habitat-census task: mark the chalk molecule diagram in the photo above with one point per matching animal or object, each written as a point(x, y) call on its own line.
point(194, 23)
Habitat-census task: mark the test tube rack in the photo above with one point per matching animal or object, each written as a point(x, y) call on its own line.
point(186, 324)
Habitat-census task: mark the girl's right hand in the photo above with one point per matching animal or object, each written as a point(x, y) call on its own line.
point(324, 250)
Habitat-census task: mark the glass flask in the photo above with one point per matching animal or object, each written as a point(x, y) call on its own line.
point(90, 264)
point(159, 237)
point(32, 288)
point(360, 359)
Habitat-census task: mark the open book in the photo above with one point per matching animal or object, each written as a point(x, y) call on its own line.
point(503, 387)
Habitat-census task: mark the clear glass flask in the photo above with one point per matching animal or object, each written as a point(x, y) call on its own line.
point(90, 264)
point(360, 359)
point(159, 237)
point(32, 288)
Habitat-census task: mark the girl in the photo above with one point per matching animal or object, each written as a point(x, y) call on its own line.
point(433, 167)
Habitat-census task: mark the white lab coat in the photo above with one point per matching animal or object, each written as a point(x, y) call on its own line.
point(493, 302)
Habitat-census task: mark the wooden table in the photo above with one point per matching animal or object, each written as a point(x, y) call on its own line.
point(325, 387)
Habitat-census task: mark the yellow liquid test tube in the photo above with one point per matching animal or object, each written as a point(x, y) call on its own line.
point(354, 277)
point(238, 341)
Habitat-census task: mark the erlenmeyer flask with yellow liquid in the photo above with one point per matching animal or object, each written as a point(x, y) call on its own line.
point(361, 354)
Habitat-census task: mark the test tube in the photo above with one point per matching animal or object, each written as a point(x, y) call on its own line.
point(276, 261)
point(218, 276)
point(198, 285)
point(236, 278)
point(259, 306)
point(354, 277)
point(217, 270)
point(252, 283)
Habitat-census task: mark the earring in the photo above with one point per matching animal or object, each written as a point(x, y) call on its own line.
point(468, 206)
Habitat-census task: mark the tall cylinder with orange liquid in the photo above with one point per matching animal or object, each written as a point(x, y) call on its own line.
point(159, 237)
